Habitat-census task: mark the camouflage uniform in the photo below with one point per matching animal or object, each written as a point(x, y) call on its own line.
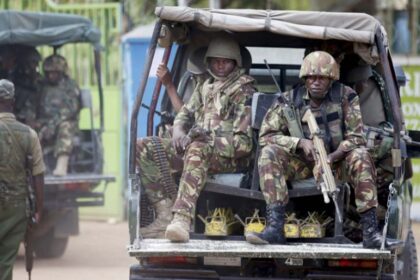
point(340, 121)
point(223, 108)
point(16, 142)
point(27, 84)
point(59, 108)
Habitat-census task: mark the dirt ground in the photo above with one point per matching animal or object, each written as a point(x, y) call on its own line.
point(98, 253)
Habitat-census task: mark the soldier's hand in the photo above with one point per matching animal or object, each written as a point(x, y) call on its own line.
point(335, 156)
point(199, 134)
point(163, 74)
point(181, 143)
point(307, 146)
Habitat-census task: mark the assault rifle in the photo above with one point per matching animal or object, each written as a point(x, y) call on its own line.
point(328, 185)
point(29, 250)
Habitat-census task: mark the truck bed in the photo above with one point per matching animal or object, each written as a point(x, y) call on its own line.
point(224, 248)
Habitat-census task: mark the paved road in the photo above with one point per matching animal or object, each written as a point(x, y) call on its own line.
point(97, 254)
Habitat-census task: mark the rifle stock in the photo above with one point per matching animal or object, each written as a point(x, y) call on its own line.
point(328, 185)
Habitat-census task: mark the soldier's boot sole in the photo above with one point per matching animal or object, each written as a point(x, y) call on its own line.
point(177, 233)
point(254, 239)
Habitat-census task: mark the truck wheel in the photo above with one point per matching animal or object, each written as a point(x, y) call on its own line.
point(48, 246)
point(409, 267)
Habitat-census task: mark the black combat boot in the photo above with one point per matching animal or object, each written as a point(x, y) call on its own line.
point(371, 236)
point(274, 229)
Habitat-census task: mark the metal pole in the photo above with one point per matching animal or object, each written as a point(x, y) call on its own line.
point(215, 4)
point(156, 93)
point(139, 97)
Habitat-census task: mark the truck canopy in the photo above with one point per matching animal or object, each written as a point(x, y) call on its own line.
point(53, 29)
point(352, 27)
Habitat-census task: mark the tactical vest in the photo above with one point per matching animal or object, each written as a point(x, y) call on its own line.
point(13, 151)
point(331, 123)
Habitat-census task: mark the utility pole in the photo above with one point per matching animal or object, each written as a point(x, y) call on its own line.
point(215, 4)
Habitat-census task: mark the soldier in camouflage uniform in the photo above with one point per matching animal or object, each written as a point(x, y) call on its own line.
point(337, 111)
point(212, 134)
point(17, 141)
point(27, 84)
point(58, 111)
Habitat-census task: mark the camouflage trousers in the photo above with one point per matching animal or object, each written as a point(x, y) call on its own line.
point(198, 160)
point(276, 165)
point(62, 141)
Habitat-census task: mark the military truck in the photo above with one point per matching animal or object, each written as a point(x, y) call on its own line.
point(80, 187)
point(280, 38)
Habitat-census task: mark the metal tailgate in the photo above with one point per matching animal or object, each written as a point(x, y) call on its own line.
point(230, 248)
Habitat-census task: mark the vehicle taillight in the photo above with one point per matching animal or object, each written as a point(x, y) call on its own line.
point(371, 264)
point(170, 260)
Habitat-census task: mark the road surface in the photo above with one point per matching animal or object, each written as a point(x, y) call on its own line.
point(98, 253)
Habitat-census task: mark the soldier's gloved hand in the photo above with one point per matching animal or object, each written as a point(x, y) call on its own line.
point(181, 143)
point(199, 134)
point(307, 146)
point(335, 156)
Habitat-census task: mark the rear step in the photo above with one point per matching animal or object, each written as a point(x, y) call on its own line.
point(229, 248)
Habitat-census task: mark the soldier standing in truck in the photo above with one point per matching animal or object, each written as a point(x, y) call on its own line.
point(337, 110)
point(212, 134)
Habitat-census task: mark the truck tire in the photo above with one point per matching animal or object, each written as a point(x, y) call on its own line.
point(409, 258)
point(48, 246)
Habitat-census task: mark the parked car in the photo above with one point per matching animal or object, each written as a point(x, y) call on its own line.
point(79, 188)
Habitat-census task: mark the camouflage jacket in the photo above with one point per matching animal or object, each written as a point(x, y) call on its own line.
point(14, 149)
point(59, 103)
point(224, 109)
point(338, 117)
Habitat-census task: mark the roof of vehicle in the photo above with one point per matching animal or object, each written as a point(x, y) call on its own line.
point(39, 28)
point(358, 28)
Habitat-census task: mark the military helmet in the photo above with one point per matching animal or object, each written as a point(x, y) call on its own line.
point(55, 62)
point(224, 47)
point(7, 89)
point(319, 63)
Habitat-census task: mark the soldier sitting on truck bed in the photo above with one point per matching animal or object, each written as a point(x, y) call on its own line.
point(212, 134)
point(58, 112)
point(27, 84)
point(284, 156)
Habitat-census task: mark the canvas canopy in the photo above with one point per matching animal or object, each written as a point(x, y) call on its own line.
point(353, 27)
point(52, 29)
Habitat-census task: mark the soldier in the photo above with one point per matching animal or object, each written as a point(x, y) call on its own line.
point(336, 108)
point(17, 142)
point(27, 82)
point(58, 111)
point(212, 134)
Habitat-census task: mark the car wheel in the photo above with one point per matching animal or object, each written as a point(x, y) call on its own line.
point(49, 246)
point(407, 261)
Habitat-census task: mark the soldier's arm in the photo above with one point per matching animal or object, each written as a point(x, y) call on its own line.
point(38, 169)
point(185, 117)
point(274, 129)
point(240, 143)
point(353, 125)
